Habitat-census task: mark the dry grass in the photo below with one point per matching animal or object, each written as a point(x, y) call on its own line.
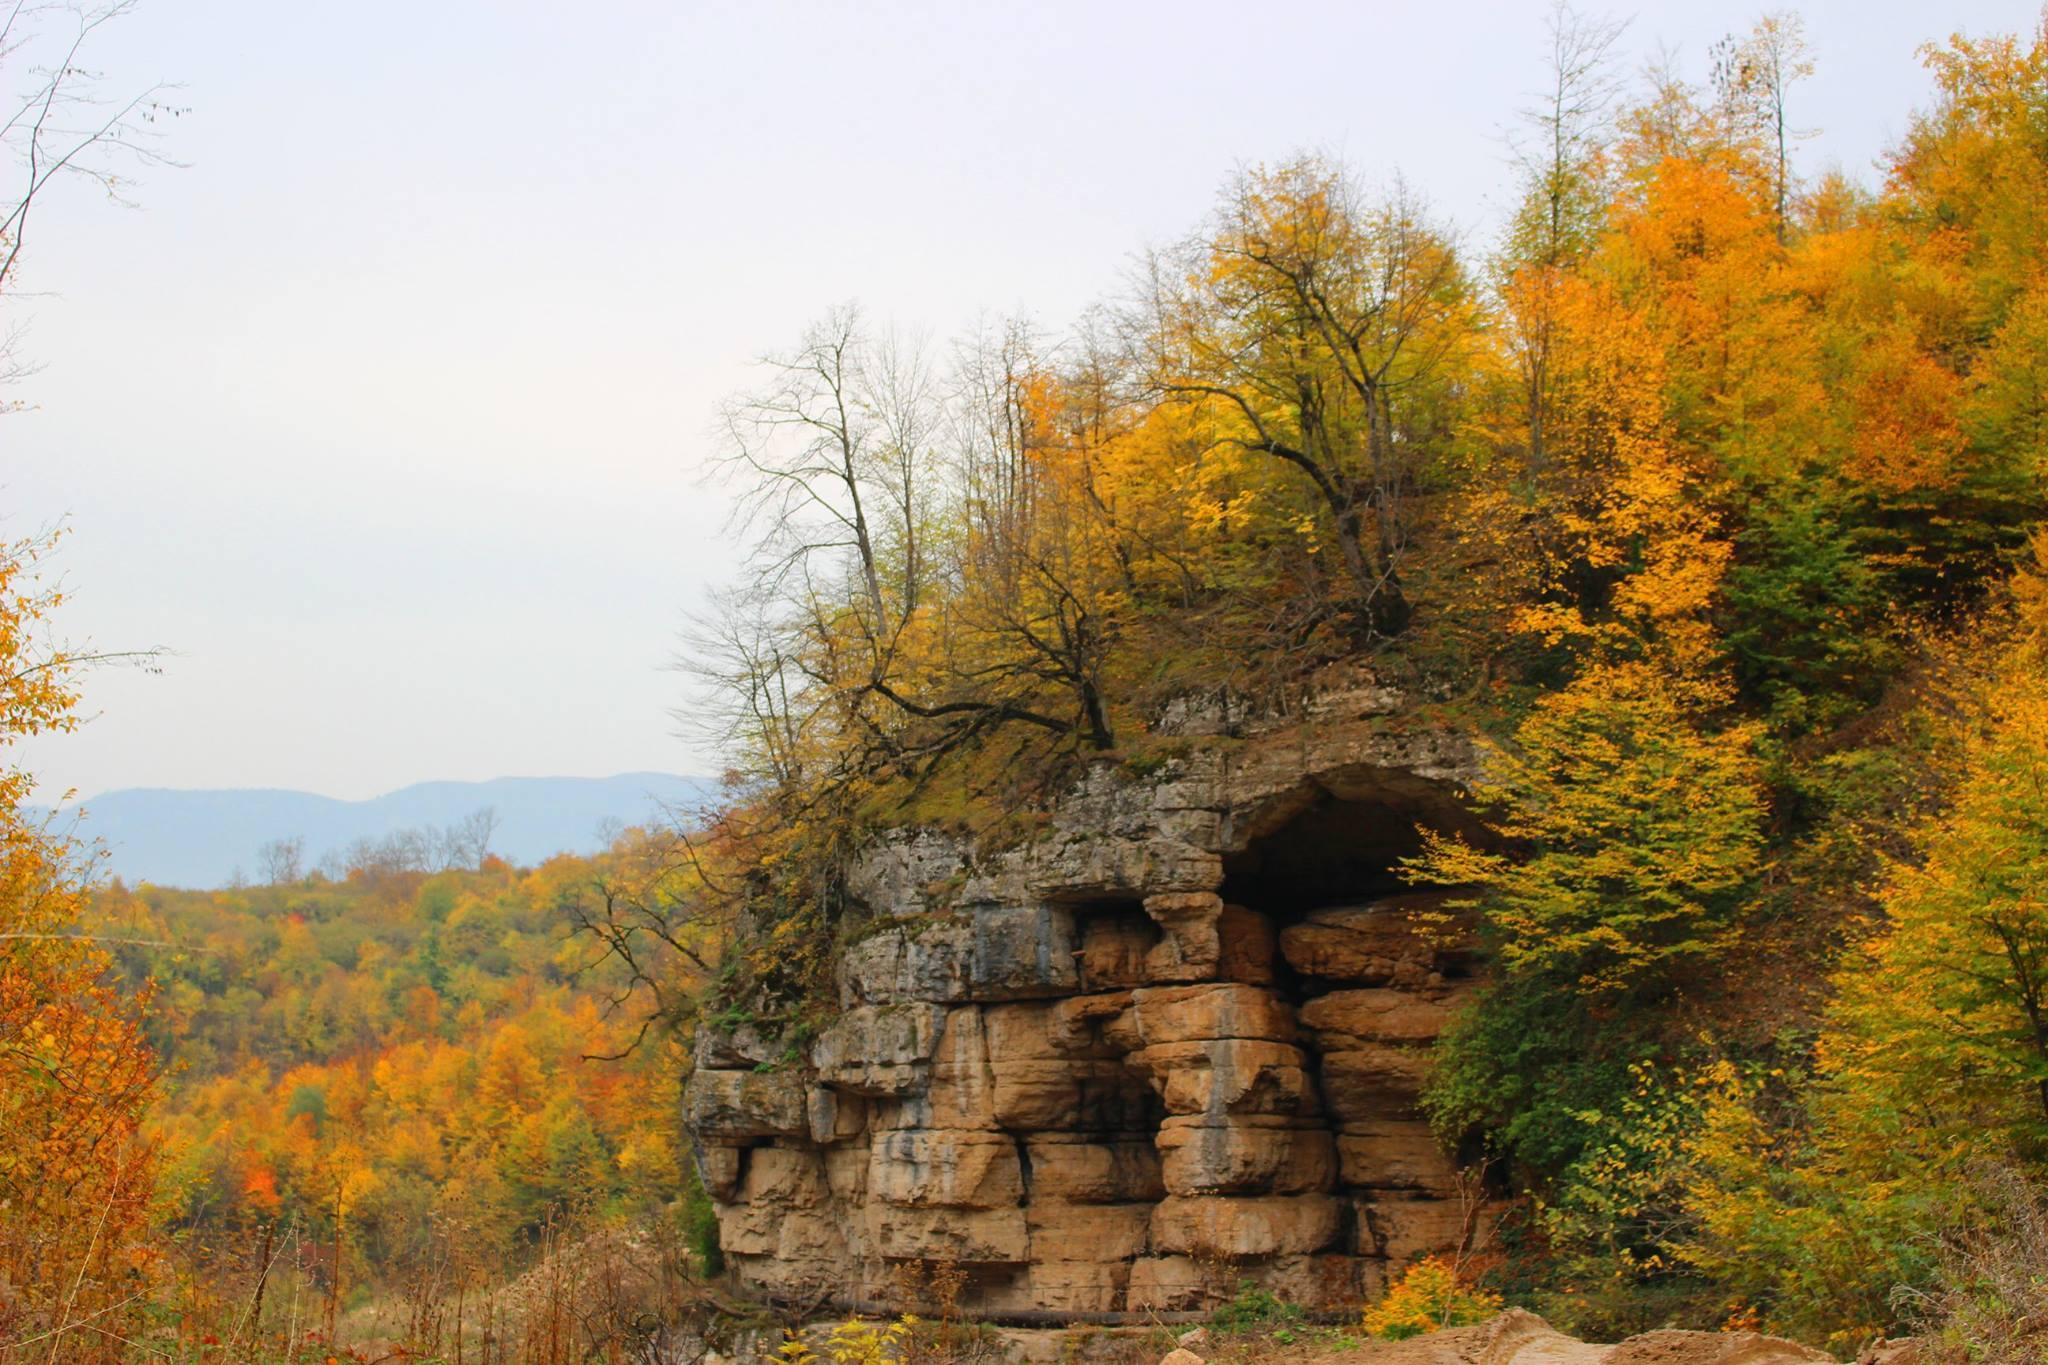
point(1992, 1305)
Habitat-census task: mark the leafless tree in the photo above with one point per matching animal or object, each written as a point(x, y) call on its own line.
point(467, 842)
point(59, 121)
point(1754, 77)
point(1564, 132)
point(1560, 151)
point(753, 700)
point(827, 454)
point(282, 861)
point(661, 916)
point(865, 480)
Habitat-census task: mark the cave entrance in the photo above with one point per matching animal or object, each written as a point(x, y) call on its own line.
point(1339, 840)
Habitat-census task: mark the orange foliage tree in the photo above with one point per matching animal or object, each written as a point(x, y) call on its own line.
point(77, 1170)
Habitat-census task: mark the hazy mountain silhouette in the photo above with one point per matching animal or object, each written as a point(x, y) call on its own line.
point(201, 838)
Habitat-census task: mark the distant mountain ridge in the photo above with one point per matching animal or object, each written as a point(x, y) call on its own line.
point(202, 838)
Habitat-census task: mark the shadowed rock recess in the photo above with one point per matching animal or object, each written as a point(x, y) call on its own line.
point(1172, 1044)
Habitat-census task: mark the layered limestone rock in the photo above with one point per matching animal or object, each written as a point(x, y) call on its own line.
point(1174, 1044)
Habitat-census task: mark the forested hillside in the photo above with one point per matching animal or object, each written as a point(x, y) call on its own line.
point(397, 1051)
point(395, 1084)
point(1708, 501)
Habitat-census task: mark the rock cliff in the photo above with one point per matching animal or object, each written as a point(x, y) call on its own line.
point(1171, 1044)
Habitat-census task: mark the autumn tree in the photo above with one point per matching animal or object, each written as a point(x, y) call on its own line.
point(1326, 333)
point(77, 1167)
point(1824, 1214)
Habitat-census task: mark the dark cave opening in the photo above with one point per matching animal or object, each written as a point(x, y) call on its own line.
point(1340, 840)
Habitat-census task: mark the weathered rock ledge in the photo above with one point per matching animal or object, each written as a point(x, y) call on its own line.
point(1172, 1044)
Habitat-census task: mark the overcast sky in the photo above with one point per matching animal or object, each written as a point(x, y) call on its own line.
point(387, 411)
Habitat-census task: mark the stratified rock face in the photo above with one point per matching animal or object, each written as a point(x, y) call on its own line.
point(1173, 1045)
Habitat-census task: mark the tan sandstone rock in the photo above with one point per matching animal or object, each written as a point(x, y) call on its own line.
point(733, 1106)
point(1192, 946)
point(1072, 1168)
point(967, 1236)
point(1247, 947)
point(1369, 943)
point(944, 1168)
point(1354, 1018)
point(1113, 951)
point(1223, 1009)
point(1077, 1286)
point(1201, 1158)
point(718, 1169)
point(1096, 1232)
point(1392, 1154)
point(1167, 1284)
point(1374, 1083)
point(1229, 1076)
point(1268, 1225)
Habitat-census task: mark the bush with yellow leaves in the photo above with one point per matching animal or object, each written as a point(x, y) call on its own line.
point(854, 1342)
point(1430, 1294)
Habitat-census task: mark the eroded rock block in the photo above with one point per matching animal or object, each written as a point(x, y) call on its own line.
point(1191, 946)
point(1374, 1083)
point(1221, 1009)
point(1083, 1096)
point(1062, 1286)
point(1396, 1155)
point(908, 872)
point(1114, 948)
point(734, 1106)
point(1229, 1076)
point(784, 1211)
point(878, 1049)
point(1353, 1018)
point(1200, 1157)
point(982, 953)
point(718, 1169)
point(740, 1048)
point(1168, 1284)
point(834, 1117)
point(944, 1168)
point(1398, 1229)
point(1248, 948)
point(1093, 867)
point(1107, 1232)
point(1074, 1169)
point(969, 1236)
point(1080, 1025)
point(1407, 937)
point(846, 1172)
point(1233, 1228)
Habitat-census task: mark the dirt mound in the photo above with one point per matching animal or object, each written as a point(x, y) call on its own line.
point(1519, 1338)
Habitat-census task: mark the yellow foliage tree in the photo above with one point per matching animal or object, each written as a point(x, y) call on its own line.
point(77, 1169)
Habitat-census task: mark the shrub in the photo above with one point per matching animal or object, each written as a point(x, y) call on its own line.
point(854, 1342)
point(1253, 1308)
point(1429, 1295)
point(1991, 1307)
point(700, 1225)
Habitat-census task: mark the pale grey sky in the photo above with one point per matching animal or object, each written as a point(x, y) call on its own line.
point(386, 412)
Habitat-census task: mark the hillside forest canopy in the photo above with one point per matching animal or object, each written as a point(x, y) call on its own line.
point(1710, 493)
